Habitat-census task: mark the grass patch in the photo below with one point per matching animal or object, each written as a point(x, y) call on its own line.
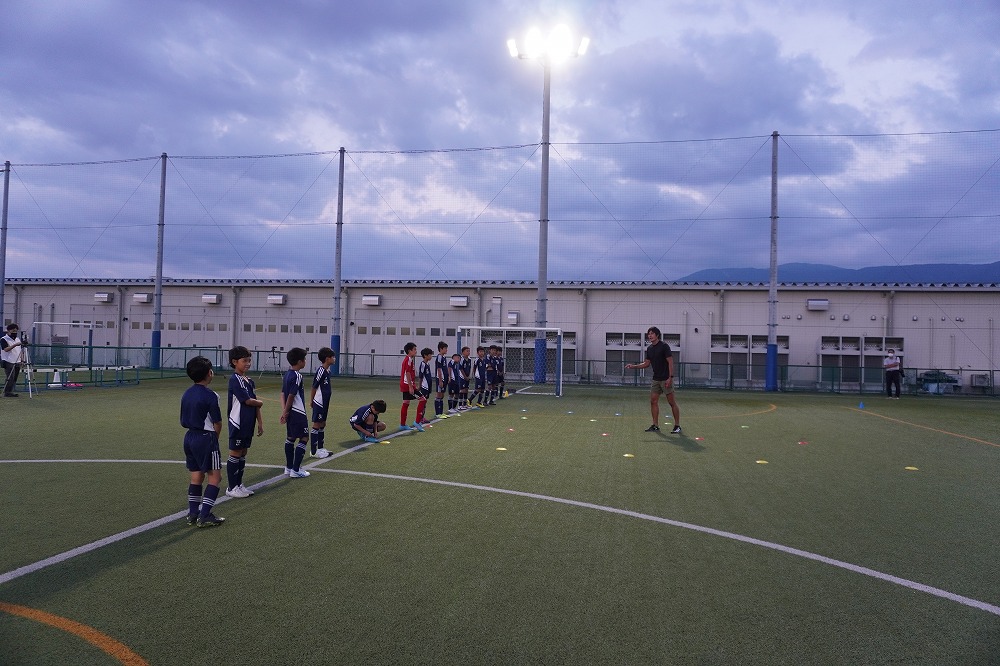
point(355, 565)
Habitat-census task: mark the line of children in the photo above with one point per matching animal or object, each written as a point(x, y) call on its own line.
point(201, 416)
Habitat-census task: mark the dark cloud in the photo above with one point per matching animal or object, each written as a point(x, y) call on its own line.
point(105, 81)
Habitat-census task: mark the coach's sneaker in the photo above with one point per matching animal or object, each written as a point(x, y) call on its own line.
point(653, 428)
point(246, 490)
point(211, 520)
point(675, 431)
point(297, 473)
point(236, 492)
point(322, 453)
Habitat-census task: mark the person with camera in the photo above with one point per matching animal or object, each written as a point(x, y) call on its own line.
point(11, 353)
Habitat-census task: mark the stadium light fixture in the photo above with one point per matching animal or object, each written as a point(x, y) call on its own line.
point(560, 46)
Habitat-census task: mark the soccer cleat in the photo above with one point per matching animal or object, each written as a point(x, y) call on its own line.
point(298, 474)
point(246, 490)
point(371, 440)
point(237, 492)
point(192, 519)
point(322, 453)
point(288, 470)
point(440, 416)
point(405, 427)
point(675, 431)
point(211, 520)
point(418, 427)
point(653, 428)
point(425, 422)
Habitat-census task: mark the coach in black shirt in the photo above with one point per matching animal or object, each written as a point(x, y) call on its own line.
point(659, 356)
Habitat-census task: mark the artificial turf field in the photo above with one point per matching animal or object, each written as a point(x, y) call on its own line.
point(778, 529)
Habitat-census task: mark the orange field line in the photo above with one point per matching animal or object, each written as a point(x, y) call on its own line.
point(917, 425)
point(102, 641)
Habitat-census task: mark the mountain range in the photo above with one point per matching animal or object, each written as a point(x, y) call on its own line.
point(912, 273)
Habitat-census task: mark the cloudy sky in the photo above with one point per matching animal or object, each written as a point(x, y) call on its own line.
point(661, 152)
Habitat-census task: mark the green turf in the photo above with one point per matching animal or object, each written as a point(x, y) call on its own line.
point(361, 567)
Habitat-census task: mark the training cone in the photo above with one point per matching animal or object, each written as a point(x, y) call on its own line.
point(861, 405)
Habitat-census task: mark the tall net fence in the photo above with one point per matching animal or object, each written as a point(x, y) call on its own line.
point(656, 211)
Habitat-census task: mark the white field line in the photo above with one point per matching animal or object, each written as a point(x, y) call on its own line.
point(865, 571)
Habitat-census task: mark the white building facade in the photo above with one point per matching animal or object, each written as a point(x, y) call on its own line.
point(718, 330)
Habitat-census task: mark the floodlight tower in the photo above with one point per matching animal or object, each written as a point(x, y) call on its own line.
point(560, 46)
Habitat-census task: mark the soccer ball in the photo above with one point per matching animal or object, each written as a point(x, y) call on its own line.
point(380, 426)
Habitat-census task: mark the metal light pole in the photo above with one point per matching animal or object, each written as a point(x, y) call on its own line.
point(557, 48)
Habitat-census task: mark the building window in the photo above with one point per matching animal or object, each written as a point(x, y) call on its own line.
point(147, 325)
point(284, 328)
point(246, 328)
point(450, 332)
point(404, 330)
point(197, 326)
point(185, 326)
point(209, 327)
point(172, 326)
point(322, 329)
point(362, 330)
point(296, 328)
point(309, 329)
point(421, 331)
point(271, 328)
point(376, 330)
point(390, 330)
point(223, 327)
point(435, 332)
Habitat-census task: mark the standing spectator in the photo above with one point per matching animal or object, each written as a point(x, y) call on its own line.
point(10, 357)
point(893, 373)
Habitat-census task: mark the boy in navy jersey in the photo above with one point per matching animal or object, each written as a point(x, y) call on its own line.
point(320, 400)
point(499, 363)
point(463, 386)
point(454, 382)
point(365, 421)
point(424, 382)
point(491, 376)
point(479, 376)
point(201, 415)
point(440, 379)
point(244, 414)
point(293, 414)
